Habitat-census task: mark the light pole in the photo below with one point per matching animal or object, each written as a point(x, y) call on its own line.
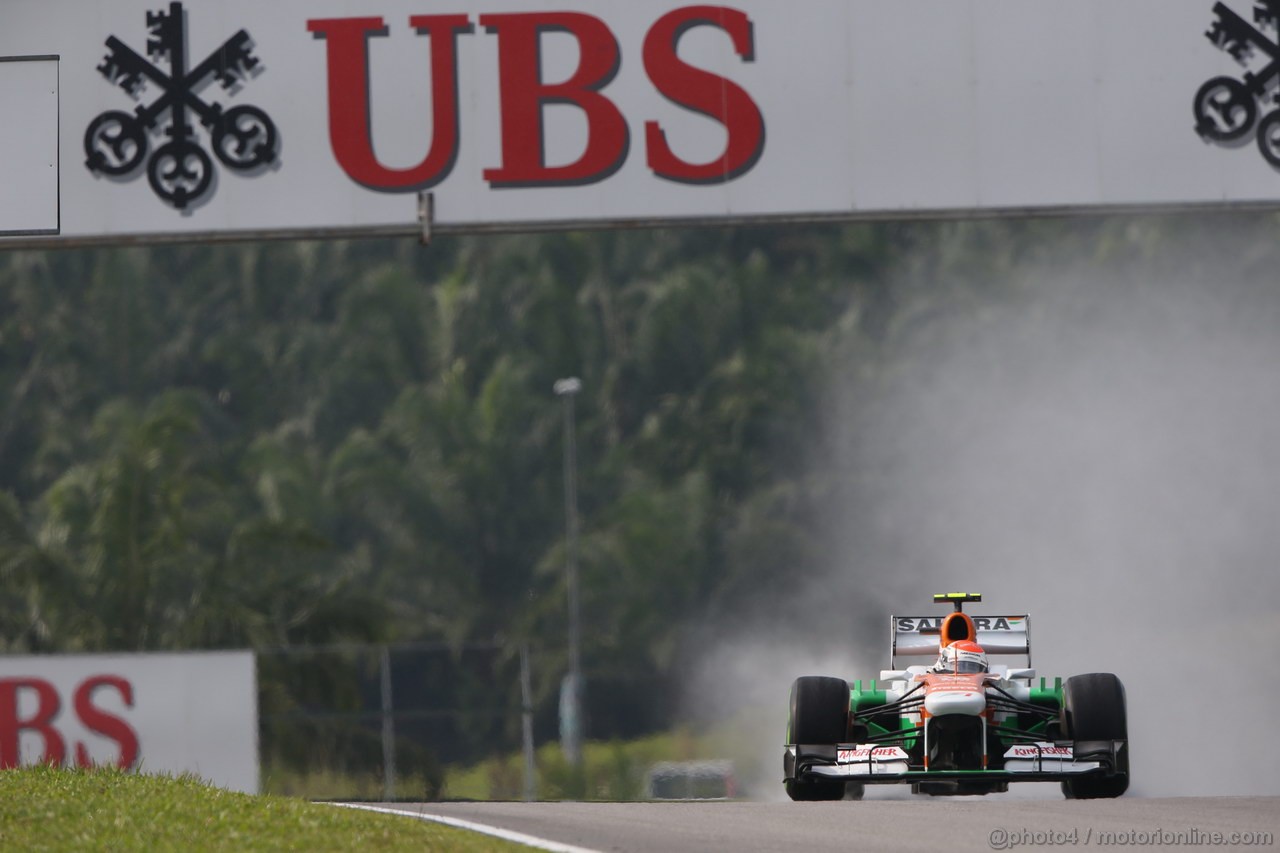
point(571, 690)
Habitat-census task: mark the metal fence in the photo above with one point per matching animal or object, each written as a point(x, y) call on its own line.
point(424, 721)
point(390, 721)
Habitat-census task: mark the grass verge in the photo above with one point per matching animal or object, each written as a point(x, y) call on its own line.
point(615, 770)
point(45, 808)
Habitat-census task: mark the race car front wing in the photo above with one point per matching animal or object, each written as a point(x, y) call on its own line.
point(879, 764)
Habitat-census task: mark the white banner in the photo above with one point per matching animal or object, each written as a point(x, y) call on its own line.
point(29, 147)
point(193, 712)
point(220, 117)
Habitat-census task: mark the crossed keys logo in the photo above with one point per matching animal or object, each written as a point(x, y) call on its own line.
point(180, 171)
point(1226, 108)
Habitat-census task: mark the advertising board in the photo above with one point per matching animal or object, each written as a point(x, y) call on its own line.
point(227, 118)
point(191, 712)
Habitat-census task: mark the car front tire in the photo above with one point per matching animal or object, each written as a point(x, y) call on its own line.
point(819, 715)
point(1093, 708)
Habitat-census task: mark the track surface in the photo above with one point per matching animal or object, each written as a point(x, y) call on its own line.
point(932, 824)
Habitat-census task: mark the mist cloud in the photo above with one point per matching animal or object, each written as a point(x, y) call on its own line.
point(1098, 445)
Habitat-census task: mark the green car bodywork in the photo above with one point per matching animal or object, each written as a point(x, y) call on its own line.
point(866, 696)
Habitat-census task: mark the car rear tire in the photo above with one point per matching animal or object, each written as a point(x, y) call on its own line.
point(819, 715)
point(1093, 708)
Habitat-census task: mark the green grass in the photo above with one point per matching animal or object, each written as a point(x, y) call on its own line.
point(614, 770)
point(45, 808)
point(329, 784)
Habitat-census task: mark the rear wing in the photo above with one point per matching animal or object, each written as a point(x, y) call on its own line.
point(917, 636)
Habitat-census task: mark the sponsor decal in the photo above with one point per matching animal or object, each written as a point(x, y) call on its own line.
point(180, 171)
point(1042, 750)
point(870, 753)
point(1227, 108)
point(918, 624)
point(952, 684)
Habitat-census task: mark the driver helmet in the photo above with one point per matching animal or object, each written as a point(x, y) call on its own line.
point(962, 657)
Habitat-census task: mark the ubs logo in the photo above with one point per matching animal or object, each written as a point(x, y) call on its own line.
point(1227, 108)
point(179, 170)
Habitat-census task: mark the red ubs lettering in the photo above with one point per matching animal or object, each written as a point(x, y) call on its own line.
point(523, 95)
point(48, 706)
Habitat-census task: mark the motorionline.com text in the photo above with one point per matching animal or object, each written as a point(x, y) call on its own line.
point(1002, 838)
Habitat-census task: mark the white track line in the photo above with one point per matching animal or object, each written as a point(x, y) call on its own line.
point(496, 831)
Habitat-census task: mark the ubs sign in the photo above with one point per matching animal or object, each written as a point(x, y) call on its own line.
point(186, 120)
point(244, 137)
point(524, 96)
point(191, 712)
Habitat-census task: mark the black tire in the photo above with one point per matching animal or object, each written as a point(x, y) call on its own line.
point(815, 792)
point(1093, 708)
point(819, 715)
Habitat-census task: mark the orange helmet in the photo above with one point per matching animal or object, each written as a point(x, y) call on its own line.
point(962, 656)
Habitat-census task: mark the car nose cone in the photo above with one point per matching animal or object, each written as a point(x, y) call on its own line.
point(951, 701)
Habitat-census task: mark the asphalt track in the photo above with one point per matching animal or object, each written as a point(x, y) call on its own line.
point(925, 823)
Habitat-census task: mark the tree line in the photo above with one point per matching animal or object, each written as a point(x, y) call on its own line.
point(276, 444)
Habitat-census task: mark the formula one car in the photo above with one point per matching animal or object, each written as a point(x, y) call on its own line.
point(960, 726)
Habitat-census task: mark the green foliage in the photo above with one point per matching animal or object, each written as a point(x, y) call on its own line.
point(288, 443)
point(615, 770)
point(610, 770)
point(283, 443)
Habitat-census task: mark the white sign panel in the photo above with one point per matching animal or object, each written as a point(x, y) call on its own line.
point(219, 117)
point(29, 145)
point(193, 712)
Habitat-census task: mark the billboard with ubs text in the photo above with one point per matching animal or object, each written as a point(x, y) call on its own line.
point(191, 712)
point(234, 118)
